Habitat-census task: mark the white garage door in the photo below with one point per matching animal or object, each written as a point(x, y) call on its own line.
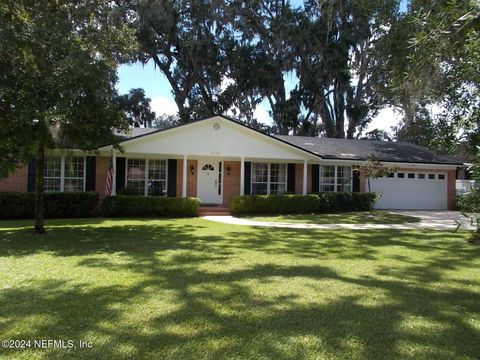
point(411, 190)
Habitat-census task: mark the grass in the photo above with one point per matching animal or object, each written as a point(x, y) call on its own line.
point(378, 217)
point(193, 289)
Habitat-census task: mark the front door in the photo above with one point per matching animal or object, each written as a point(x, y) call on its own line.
point(210, 181)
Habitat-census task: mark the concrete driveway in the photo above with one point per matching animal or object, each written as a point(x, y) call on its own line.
point(437, 220)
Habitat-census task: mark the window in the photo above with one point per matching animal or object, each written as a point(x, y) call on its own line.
point(53, 174)
point(441, 176)
point(157, 177)
point(327, 178)
point(431, 176)
point(147, 177)
point(64, 174)
point(421, 176)
point(411, 175)
point(136, 175)
point(74, 174)
point(278, 178)
point(269, 178)
point(401, 175)
point(390, 175)
point(335, 178)
point(344, 178)
point(259, 178)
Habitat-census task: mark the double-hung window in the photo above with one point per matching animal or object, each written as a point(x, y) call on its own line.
point(335, 178)
point(268, 178)
point(64, 174)
point(344, 178)
point(157, 177)
point(147, 177)
point(327, 178)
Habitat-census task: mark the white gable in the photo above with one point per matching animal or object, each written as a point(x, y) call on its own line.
point(214, 137)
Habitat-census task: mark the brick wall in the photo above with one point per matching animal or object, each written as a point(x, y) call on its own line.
point(231, 184)
point(16, 181)
point(191, 179)
point(451, 189)
point(101, 169)
point(299, 178)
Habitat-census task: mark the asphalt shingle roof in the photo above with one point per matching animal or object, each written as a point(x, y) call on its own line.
point(347, 149)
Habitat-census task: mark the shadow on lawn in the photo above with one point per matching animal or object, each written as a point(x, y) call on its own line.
point(218, 313)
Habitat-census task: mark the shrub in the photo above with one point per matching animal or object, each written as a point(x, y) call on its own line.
point(141, 206)
point(14, 205)
point(345, 201)
point(302, 204)
point(470, 201)
point(274, 204)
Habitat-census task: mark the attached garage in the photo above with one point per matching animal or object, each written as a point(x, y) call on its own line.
point(420, 190)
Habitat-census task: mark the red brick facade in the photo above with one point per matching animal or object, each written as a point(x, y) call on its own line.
point(16, 181)
point(231, 183)
point(191, 179)
point(101, 174)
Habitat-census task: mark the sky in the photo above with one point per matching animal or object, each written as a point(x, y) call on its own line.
point(158, 89)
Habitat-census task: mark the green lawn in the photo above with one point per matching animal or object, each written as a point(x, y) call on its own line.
point(193, 289)
point(378, 217)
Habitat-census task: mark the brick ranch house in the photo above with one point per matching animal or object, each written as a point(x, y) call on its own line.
point(217, 158)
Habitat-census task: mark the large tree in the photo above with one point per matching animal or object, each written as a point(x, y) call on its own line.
point(432, 57)
point(137, 108)
point(186, 41)
point(57, 73)
point(336, 55)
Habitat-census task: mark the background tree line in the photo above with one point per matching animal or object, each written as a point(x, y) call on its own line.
point(345, 59)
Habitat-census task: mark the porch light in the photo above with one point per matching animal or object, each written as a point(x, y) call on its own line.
point(229, 171)
point(192, 170)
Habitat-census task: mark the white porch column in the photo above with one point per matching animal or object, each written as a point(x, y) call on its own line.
point(304, 177)
point(114, 179)
point(242, 176)
point(184, 177)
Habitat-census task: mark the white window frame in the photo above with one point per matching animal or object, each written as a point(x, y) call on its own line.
point(320, 183)
point(336, 177)
point(269, 182)
point(147, 165)
point(62, 172)
point(146, 177)
point(84, 173)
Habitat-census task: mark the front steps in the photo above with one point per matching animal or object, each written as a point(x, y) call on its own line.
point(213, 211)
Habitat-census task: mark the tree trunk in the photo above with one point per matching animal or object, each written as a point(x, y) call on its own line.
point(40, 160)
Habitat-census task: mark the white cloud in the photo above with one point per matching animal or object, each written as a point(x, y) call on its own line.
point(262, 115)
point(163, 105)
point(385, 119)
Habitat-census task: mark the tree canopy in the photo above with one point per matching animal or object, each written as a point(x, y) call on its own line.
point(57, 73)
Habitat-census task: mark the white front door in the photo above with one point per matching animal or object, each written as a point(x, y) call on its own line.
point(210, 181)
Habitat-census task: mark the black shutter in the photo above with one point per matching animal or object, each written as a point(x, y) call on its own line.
point(172, 178)
point(356, 182)
point(315, 178)
point(120, 175)
point(248, 177)
point(90, 173)
point(291, 178)
point(32, 167)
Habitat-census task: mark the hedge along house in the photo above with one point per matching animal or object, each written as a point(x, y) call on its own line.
point(217, 158)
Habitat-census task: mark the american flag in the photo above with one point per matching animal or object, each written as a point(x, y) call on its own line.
point(109, 183)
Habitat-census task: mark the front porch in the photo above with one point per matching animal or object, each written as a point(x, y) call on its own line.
point(214, 180)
